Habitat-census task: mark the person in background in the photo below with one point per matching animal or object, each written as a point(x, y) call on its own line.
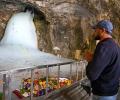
point(103, 69)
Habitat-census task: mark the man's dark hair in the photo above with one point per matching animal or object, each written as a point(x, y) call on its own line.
point(29, 8)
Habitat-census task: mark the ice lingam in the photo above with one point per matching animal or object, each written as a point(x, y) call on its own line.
point(21, 30)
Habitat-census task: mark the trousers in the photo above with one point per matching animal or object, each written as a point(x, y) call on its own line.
point(95, 97)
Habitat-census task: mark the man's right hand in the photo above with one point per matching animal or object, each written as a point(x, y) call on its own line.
point(88, 56)
point(1, 82)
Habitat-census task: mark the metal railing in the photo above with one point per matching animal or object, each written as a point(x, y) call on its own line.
point(78, 73)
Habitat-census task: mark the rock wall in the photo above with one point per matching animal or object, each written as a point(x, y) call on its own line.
point(65, 23)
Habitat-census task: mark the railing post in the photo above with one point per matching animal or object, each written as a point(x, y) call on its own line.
point(32, 80)
point(47, 75)
point(83, 65)
point(58, 76)
point(77, 72)
point(4, 86)
point(70, 71)
point(9, 87)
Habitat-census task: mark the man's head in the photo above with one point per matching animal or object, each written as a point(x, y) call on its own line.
point(103, 27)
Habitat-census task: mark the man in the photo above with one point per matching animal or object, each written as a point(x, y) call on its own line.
point(103, 69)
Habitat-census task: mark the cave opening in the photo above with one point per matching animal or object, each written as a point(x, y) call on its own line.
point(7, 9)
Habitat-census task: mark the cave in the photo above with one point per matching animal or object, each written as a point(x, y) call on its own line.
point(65, 24)
point(53, 28)
point(8, 8)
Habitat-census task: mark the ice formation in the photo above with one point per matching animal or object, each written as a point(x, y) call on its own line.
point(21, 30)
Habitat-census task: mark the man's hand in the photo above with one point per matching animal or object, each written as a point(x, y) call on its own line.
point(88, 56)
point(1, 82)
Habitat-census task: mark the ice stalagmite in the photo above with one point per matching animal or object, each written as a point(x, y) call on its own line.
point(21, 30)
